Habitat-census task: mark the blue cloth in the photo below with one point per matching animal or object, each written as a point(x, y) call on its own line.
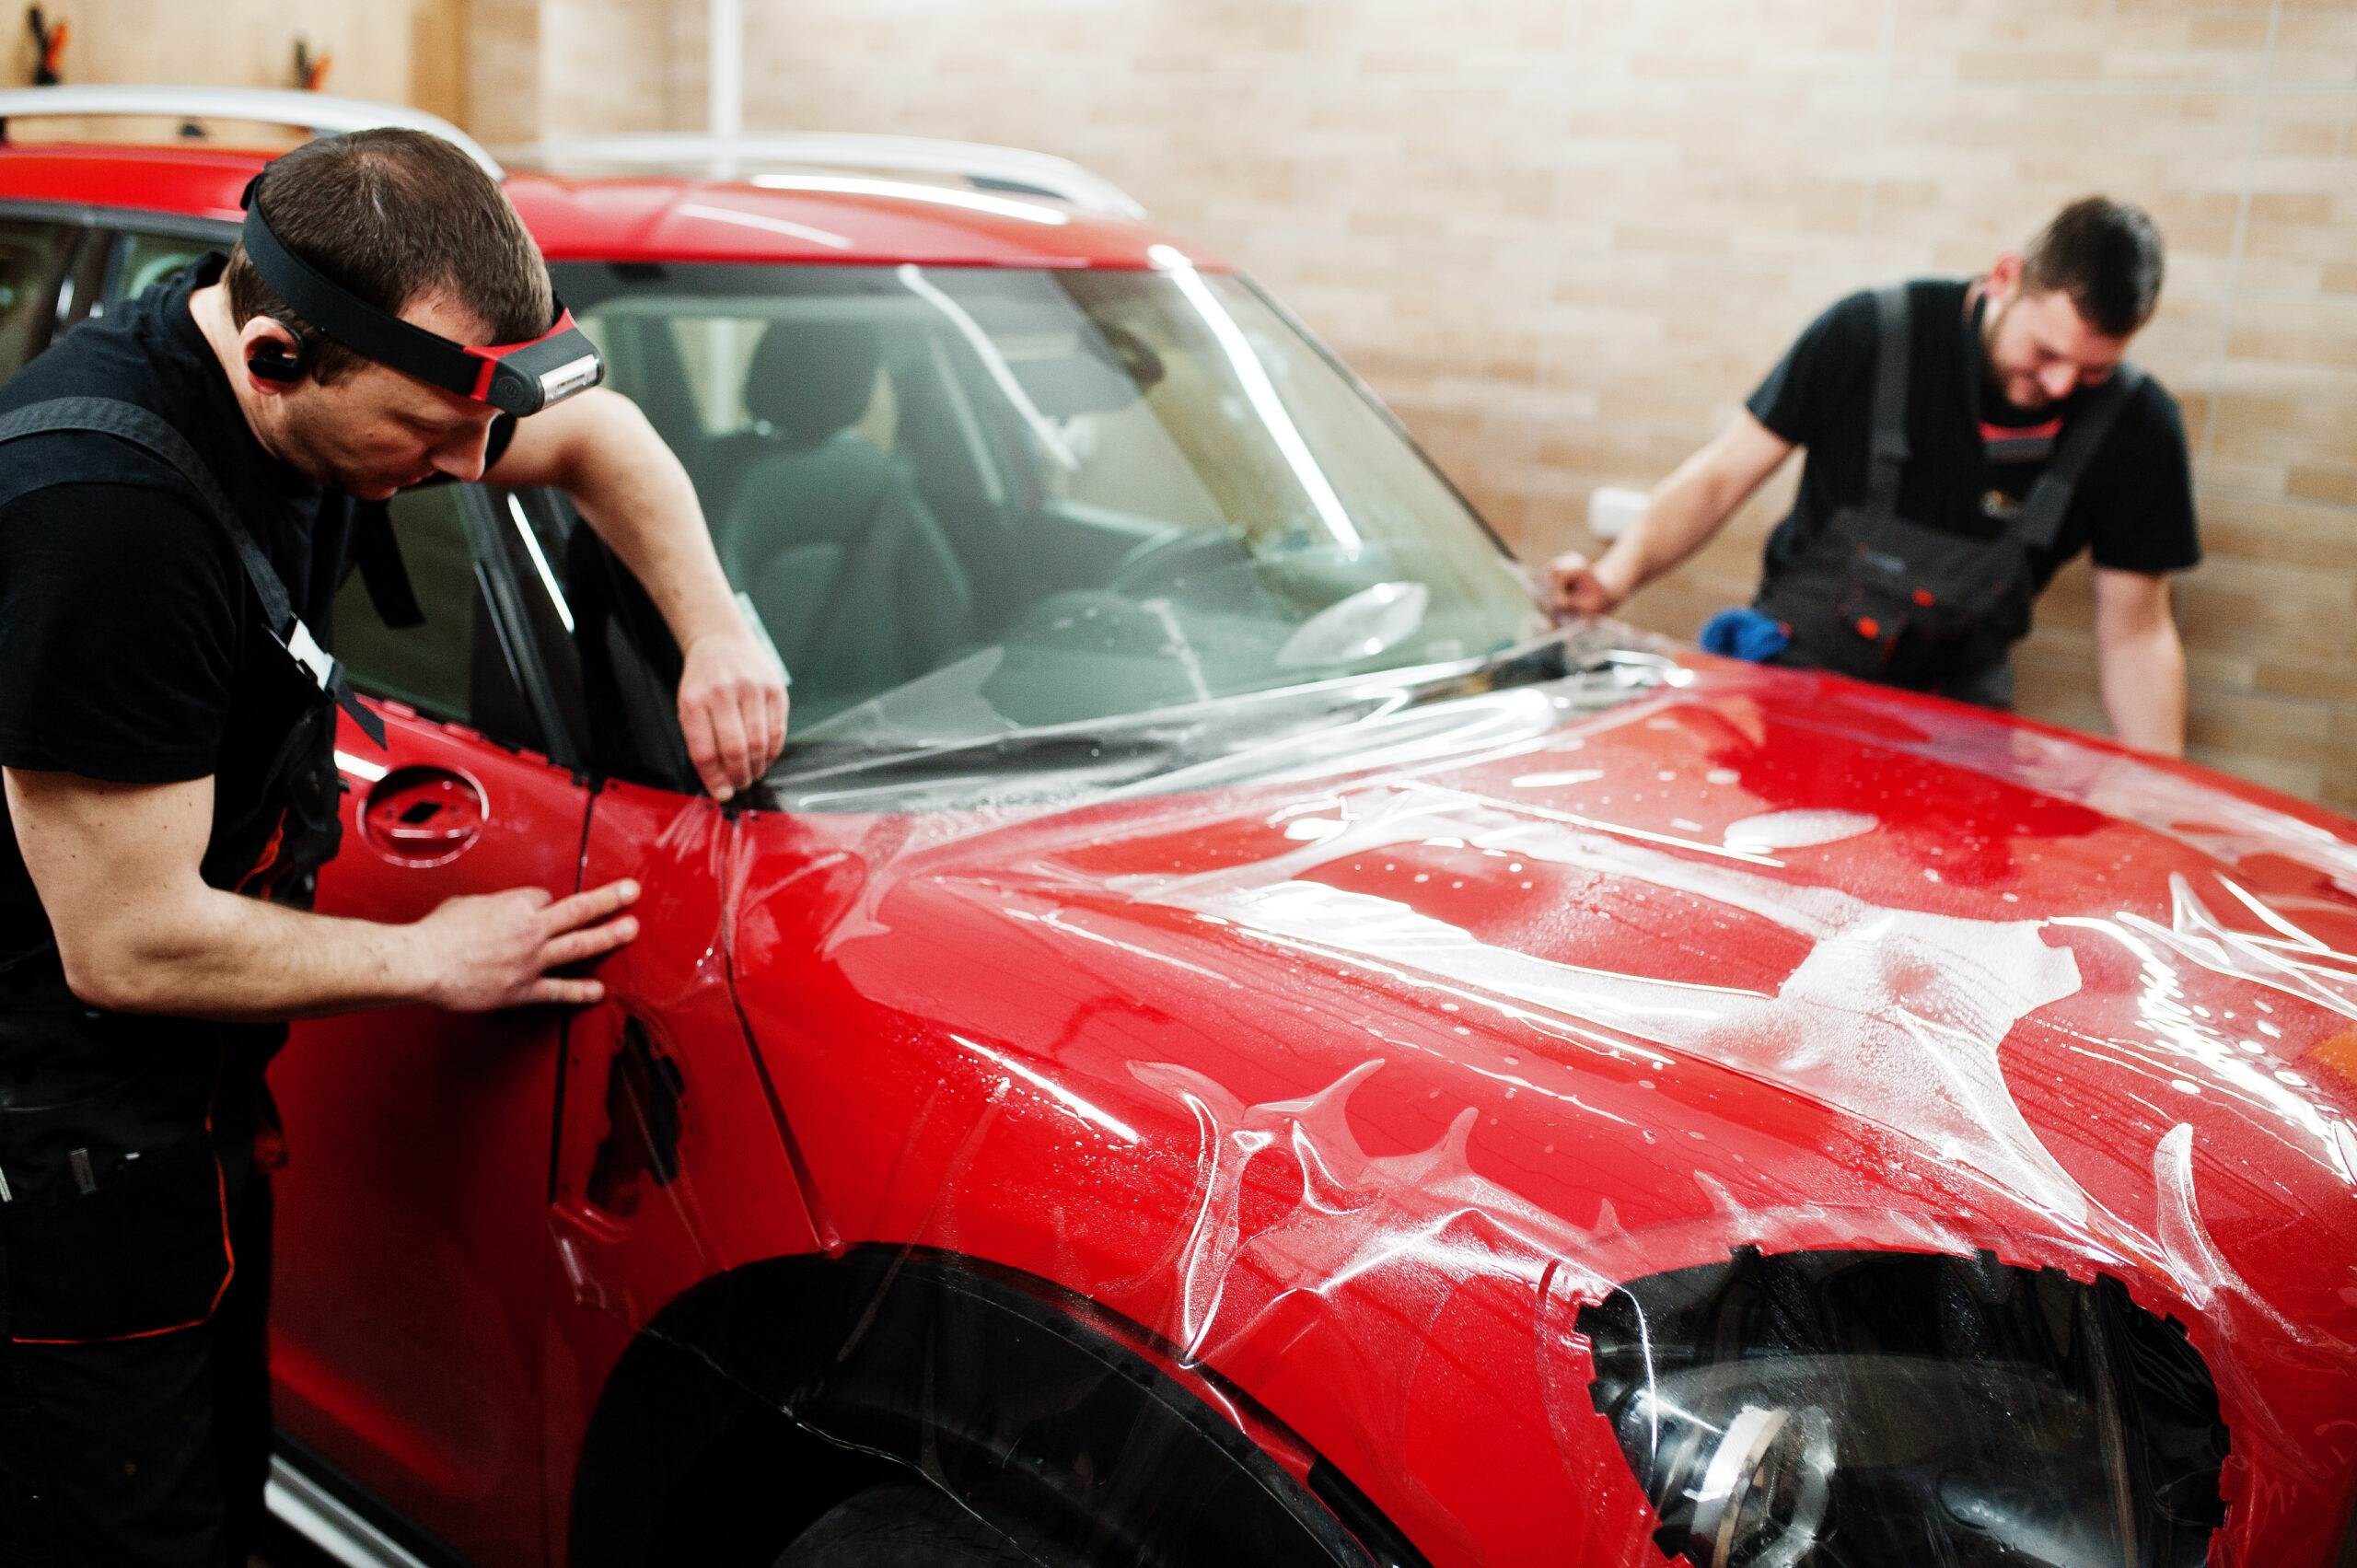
point(1745, 635)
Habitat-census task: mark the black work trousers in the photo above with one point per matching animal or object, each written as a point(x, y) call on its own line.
point(146, 1453)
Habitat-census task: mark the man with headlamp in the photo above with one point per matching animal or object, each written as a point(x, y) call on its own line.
point(177, 506)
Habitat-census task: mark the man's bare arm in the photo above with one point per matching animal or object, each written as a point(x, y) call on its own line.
point(116, 867)
point(600, 450)
point(1685, 510)
point(2140, 660)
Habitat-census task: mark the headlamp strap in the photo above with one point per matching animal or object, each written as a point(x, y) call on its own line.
point(517, 379)
point(347, 319)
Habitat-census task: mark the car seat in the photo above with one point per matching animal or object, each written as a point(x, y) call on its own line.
point(852, 574)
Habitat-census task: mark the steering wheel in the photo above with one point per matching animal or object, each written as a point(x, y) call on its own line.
point(1164, 561)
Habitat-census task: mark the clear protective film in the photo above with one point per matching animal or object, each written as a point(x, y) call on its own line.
point(1651, 1111)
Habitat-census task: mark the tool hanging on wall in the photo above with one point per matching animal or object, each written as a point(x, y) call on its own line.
point(48, 47)
point(310, 74)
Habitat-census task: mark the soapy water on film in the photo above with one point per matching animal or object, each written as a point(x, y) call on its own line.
point(1396, 1209)
point(1895, 1014)
point(2225, 827)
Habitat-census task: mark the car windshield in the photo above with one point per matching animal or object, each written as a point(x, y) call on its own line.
point(965, 502)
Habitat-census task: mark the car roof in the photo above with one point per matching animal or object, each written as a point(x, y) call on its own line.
point(837, 219)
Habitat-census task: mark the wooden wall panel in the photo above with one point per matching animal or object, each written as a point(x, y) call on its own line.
point(399, 50)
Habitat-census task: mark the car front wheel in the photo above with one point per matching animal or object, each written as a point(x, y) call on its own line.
point(901, 1524)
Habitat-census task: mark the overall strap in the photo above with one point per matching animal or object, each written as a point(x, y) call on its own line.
point(1887, 449)
point(2040, 518)
point(152, 433)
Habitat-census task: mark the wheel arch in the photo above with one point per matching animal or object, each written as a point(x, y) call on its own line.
point(1009, 1391)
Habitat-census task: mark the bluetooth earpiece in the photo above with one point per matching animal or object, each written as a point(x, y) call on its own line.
point(277, 365)
point(275, 361)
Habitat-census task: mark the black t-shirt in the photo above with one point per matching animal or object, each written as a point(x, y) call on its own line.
point(123, 613)
point(2133, 504)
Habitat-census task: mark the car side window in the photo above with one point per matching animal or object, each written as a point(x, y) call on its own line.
point(483, 657)
point(432, 667)
point(143, 260)
point(32, 257)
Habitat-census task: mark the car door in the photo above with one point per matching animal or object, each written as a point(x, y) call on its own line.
point(674, 1161)
point(407, 1317)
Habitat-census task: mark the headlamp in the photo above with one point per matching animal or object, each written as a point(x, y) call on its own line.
point(517, 379)
point(1840, 1410)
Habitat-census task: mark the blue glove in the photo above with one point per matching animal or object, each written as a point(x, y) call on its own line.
point(1745, 635)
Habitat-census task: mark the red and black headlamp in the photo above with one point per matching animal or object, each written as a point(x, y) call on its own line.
point(517, 379)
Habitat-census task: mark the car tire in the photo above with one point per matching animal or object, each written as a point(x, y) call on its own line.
point(901, 1524)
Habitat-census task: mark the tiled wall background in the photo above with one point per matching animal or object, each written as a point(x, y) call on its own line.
point(1565, 239)
point(399, 51)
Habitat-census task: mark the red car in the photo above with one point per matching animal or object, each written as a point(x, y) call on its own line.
point(1225, 1040)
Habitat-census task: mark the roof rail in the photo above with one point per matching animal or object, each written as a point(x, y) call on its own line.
point(728, 157)
point(320, 115)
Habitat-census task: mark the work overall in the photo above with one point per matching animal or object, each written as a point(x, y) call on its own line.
point(126, 1142)
point(1880, 597)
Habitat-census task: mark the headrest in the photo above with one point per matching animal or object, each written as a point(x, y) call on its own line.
point(810, 378)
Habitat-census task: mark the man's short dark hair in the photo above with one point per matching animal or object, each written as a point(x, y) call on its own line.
point(2107, 256)
point(395, 215)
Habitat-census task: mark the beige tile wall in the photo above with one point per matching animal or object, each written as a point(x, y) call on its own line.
point(399, 51)
point(1565, 237)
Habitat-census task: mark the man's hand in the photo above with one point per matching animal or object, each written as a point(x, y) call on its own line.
point(495, 950)
point(1683, 511)
point(600, 450)
point(1577, 587)
point(117, 867)
point(732, 710)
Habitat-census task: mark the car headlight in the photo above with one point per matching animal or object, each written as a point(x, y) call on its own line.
point(1837, 1409)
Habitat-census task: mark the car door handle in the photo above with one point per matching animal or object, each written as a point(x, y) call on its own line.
point(420, 816)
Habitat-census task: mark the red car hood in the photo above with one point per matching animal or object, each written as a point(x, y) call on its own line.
point(1503, 991)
